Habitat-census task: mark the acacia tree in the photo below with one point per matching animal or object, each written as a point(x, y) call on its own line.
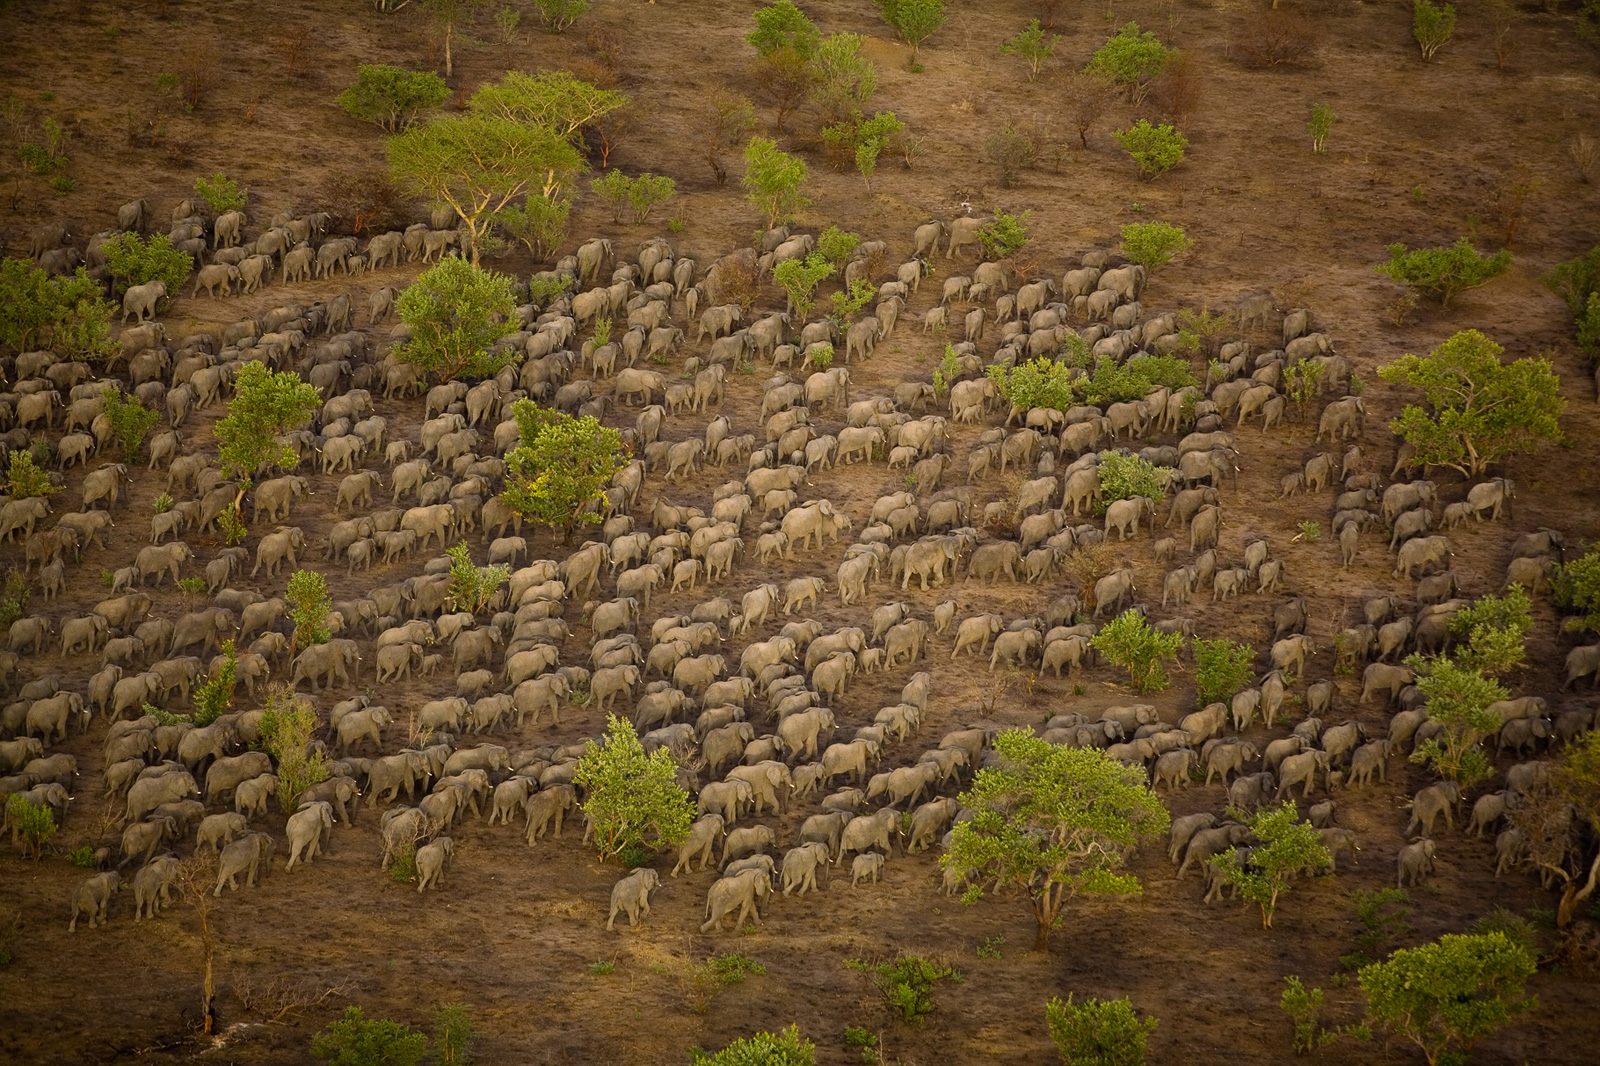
point(478, 164)
point(560, 466)
point(1053, 822)
point(456, 312)
point(1449, 270)
point(550, 99)
point(392, 97)
point(632, 799)
point(1478, 409)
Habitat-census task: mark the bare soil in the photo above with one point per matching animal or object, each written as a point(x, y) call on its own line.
point(1416, 156)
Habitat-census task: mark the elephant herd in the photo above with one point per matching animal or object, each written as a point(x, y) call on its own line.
point(751, 694)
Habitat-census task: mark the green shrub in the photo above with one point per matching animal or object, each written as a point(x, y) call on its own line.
point(1098, 1032)
point(1132, 59)
point(355, 1041)
point(1036, 383)
point(392, 97)
point(632, 800)
point(787, 1048)
point(540, 223)
point(1033, 46)
point(82, 857)
point(1131, 642)
point(1447, 270)
point(1112, 382)
point(214, 696)
point(559, 14)
point(1005, 234)
point(309, 605)
point(63, 184)
point(472, 586)
point(648, 192)
point(1153, 244)
point(13, 597)
point(837, 245)
point(1492, 632)
point(1381, 913)
point(34, 822)
point(1310, 531)
point(131, 422)
point(221, 193)
point(1320, 126)
point(602, 967)
point(1513, 926)
point(799, 278)
point(1155, 149)
point(913, 20)
point(457, 312)
point(1304, 1008)
point(25, 478)
point(1446, 996)
point(772, 180)
point(1123, 476)
point(948, 370)
point(1575, 589)
point(560, 466)
point(1459, 697)
point(134, 260)
point(907, 983)
point(1287, 848)
point(452, 1027)
point(1221, 668)
point(822, 356)
point(287, 729)
point(1432, 26)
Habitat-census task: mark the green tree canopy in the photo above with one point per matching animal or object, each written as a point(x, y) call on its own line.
point(1287, 847)
point(1492, 633)
point(356, 1041)
point(478, 164)
point(1032, 45)
point(1052, 822)
point(1124, 476)
point(1221, 668)
point(843, 79)
point(913, 20)
point(1098, 1032)
point(633, 800)
point(134, 260)
point(1154, 149)
point(560, 466)
point(36, 308)
point(1477, 409)
point(1133, 59)
point(784, 27)
point(1459, 698)
point(457, 311)
point(392, 97)
point(772, 180)
point(473, 586)
point(1575, 588)
point(1446, 996)
point(1449, 270)
point(264, 406)
point(799, 278)
point(550, 99)
point(1153, 244)
point(1131, 642)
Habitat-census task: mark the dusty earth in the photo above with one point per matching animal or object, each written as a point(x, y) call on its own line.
point(1416, 156)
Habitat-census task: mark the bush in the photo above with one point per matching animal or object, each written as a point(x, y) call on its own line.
point(704, 981)
point(822, 357)
point(1035, 383)
point(1131, 642)
point(355, 1041)
point(1575, 589)
point(1304, 1008)
point(914, 20)
point(13, 597)
point(1005, 234)
point(34, 822)
point(1153, 244)
point(560, 466)
point(133, 260)
point(1277, 38)
point(392, 97)
point(25, 478)
point(1432, 26)
point(633, 800)
point(1098, 1032)
point(1447, 271)
point(837, 245)
point(308, 607)
point(540, 223)
point(1033, 46)
point(1577, 281)
point(131, 422)
point(1446, 996)
point(1321, 125)
point(787, 1048)
point(214, 696)
point(1459, 697)
point(842, 79)
point(559, 14)
point(1156, 149)
point(1124, 476)
point(907, 983)
point(772, 180)
point(457, 312)
point(1286, 848)
point(799, 278)
point(1132, 59)
point(1011, 149)
point(82, 857)
point(649, 191)
point(472, 586)
point(1127, 382)
point(221, 193)
point(1221, 668)
point(1492, 633)
point(288, 727)
point(1382, 913)
point(612, 187)
point(453, 1030)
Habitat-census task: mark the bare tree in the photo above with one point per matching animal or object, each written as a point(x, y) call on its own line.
point(1085, 98)
point(197, 877)
point(725, 119)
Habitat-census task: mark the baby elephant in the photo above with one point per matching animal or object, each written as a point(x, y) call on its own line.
point(431, 859)
point(631, 896)
point(868, 866)
point(1416, 862)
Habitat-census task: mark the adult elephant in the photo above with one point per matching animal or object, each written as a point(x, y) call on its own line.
point(799, 732)
point(307, 829)
point(434, 520)
point(337, 660)
point(862, 336)
point(964, 231)
point(1422, 554)
point(277, 547)
point(140, 300)
point(869, 831)
point(632, 382)
point(739, 895)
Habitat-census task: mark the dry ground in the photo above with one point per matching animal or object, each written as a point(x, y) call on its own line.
point(1416, 157)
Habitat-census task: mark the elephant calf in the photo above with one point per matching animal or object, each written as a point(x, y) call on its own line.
point(631, 896)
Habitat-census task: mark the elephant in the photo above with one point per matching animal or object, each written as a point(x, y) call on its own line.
point(307, 829)
point(1123, 516)
point(153, 886)
point(83, 634)
point(1415, 863)
point(1183, 830)
point(744, 843)
point(726, 798)
point(431, 860)
point(631, 896)
point(1430, 803)
point(631, 382)
point(700, 843)
point(92, 898)
point(140, 300)
point(277, 546)
point(228, 772)
point(1300, 769)
point(765, 780)
point(218, 830)
point(801, 865)
point(739, 895)
point(799, 732)
point(543, 808)
point(1212, 841)
point(866, 831)
point(145, 837)
point(1016, 647)
point(1379, 676)
point(161, 560)
point(1341, 420)
point(963, 231)
point(146, 794)
point(248, 855)
point(1111, 590)
point(338, 660)
point(992, 560)
point(213, 275)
